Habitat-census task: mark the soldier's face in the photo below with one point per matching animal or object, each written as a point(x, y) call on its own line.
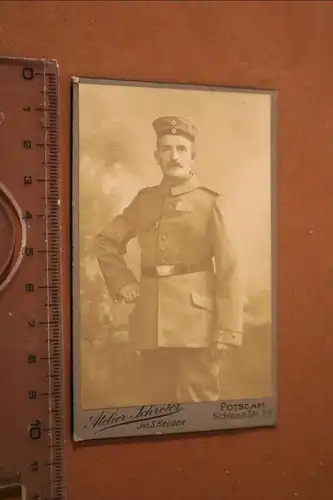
point(174, 155)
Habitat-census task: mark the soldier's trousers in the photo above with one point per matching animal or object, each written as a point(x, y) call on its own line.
point(179, 375)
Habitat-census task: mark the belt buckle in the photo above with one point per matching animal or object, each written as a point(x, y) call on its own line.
point(164, 270)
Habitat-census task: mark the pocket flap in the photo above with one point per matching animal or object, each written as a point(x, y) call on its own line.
point(184, 207)
point(202, 301)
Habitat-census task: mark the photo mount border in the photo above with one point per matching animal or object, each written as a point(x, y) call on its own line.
point(161, 419)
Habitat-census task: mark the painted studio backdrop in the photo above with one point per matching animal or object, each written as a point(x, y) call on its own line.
point(116, 160)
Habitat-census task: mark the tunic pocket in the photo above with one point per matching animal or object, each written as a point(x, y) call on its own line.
point(202, 302)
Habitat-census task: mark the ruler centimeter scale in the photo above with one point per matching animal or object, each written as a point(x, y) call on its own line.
point(31, 379)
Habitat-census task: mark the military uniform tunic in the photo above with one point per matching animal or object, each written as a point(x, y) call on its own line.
point(184, 225)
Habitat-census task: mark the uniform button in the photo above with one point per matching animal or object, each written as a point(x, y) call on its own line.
point(163, 237)
point(162, 248)
point(164, 261)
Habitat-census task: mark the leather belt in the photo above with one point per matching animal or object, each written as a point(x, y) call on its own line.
point(163, 270)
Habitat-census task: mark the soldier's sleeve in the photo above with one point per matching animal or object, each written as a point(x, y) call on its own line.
point(110, 247)
point(229, 285)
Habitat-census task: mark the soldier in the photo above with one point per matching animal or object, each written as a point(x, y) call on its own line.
point(188, 299)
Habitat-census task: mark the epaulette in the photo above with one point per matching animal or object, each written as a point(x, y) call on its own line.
point(213, 191)
point(145, 189)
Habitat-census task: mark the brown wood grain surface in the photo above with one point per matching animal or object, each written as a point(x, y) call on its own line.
point(286, 46)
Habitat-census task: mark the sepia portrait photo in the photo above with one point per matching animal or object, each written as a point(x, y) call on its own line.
point(173, 258)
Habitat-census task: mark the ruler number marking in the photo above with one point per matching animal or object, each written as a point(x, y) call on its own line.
point(27, 180)
point(32, 395)
point(35, 430)
point(28, 73)
point(27, 215)
point(28, 251)
point(32, 359)
point(34, 466)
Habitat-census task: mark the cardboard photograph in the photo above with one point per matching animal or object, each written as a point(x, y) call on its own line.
point(173, 284)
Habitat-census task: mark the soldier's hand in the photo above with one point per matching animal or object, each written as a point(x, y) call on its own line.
point(129, 293)
point(217, 349)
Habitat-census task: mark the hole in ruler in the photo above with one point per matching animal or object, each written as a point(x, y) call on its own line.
point(12, 230)
point(12, 492)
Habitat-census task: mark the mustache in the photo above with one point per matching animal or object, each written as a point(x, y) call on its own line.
point(172, 164)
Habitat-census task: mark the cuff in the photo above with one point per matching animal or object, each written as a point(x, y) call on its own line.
point(228, 337)
point(117, 284)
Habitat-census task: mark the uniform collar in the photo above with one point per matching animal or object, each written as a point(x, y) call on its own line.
point(185, 187)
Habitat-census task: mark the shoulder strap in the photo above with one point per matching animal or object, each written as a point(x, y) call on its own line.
point(146, 189)
point(212, 191)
